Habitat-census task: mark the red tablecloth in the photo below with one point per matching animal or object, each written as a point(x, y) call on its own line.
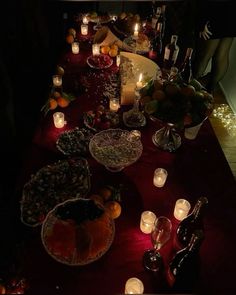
point(198, 168)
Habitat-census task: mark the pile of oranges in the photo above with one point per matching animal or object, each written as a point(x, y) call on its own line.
point(111, 50)
point(58, 100)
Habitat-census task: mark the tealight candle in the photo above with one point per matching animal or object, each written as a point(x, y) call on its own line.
point(96, 49)
point(139, 84)
point(147, 221)
point(59, 119)
point(182, 208)
point(84, 29)
point(118, 60)
point(134, 286)
point(85, 20)
point(75, 47)
point(136, 30)
point(159, 177)
point(57, 80)
point(114, 104)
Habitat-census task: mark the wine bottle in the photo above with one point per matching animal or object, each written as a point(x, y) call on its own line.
point(171, 53)
point(156, 44)
point(185, 70)
point(183, 270)
point(155, 17)
point(162, 20)
point(192, 222)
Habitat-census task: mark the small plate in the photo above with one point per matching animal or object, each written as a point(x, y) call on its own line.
point(101, 61)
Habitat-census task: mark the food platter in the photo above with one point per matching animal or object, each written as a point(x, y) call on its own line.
point(101, 61)
point(74, 142)
point(77, 232)
point(51, 185)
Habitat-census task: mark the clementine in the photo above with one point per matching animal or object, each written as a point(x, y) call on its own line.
point(114, 46)
point(105, 193)
point(62, 102)
point(52, 104)
point(72, 31)
point(113, 52)
point(113, 208)
point(97, 199)
point(2, 289)
point(105, 49)
point(70, 39)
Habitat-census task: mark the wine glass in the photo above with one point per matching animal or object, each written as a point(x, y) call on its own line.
point(98, 25)
point(160, 234)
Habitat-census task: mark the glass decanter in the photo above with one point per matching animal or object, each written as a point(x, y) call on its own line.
point(134, 118)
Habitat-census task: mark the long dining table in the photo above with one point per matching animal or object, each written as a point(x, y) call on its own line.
point(198, 168)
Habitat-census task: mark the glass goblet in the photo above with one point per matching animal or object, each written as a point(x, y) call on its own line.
point(160, 234)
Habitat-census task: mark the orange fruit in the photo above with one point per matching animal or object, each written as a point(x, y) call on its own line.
point(70, 39)
point(113, 208)
point(62, 102)
point(56, 94)
point(105, 49)
point(52, 104)
point(2, 289)
point(60, 71)
point(113, 52)
point(114, 46)
point(105, 193)
point(97, 199)
point(72, 31)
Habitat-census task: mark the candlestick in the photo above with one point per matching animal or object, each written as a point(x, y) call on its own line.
point(84, 29)
point(59, 119)
point(159, 177)
point(139, 84)
point(182, 208)
point(147, 221)
point(75, 47)
point(118, 60)
point(114, 104)
point(85, 20)
point(96, 49)
point(57, 80)
point(134, 286)
point(136, 31)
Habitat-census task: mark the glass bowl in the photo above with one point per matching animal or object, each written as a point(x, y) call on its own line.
point(116, 148)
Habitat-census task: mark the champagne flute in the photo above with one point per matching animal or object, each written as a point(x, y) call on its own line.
point(160, 234)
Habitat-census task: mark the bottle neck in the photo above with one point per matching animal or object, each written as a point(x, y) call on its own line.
point(196, 240)
point(197, 211)
point(188, 54)
point(173, 40)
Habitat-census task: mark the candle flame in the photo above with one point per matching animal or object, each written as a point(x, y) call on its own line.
point(140, 77)
point(136, 27)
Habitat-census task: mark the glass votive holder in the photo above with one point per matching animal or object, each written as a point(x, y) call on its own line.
point(114, 104)
point(160, 176)
point(57, 80)
point(84, 29)
point(147, 221)
point(96, 49)
point(75, 47)
point(134, 286)
point(182, 208)
point(59, 119)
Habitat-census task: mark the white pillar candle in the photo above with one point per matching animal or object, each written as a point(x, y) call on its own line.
point(139, 84)
point(118, 60)
point(84, 29)
point(85, 20)
point(159, 177)
point(57, 80)
point(134, 286)
point(114, 104)
point(147, 221)
point(136, 31)
point(59, 119)
point(75, 47)
point(182, 208)
point(96, 49)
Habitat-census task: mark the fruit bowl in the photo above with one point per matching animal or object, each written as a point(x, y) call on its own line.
point(116, 148)
point(101, 61)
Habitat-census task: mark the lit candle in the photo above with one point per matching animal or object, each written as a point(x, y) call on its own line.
point(182, 208)
point(139, 84)
point(75, 47)
point(57, 80)
point(114, 104)
point(84, 29)
point(59, 119)
point(134, 286)
point(118, 60)
point(147, 221)
point(85, 20)
point(159, 177)
point(96, 49)
point(136, 30)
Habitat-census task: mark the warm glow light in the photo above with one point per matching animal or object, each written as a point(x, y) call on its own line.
point(59, 119)
point(114, 104)
point(136, 30)
point(134, 286)
point(139, 84)
point(96, 49)
point(147, 221)
point(75, 47)
point(182, 208)
point(57, 80)
point(84, 29)
point(159, 177)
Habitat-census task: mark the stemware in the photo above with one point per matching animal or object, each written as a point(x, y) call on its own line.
point(160, 234)
point(98, 25)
